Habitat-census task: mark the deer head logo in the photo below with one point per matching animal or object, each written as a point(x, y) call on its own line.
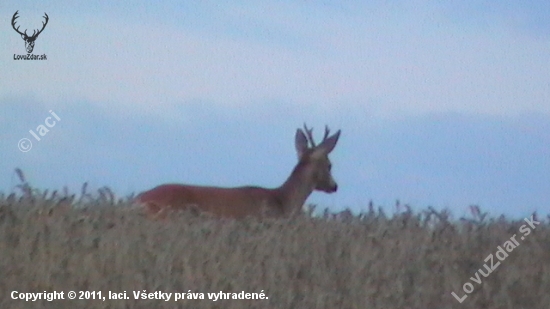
point(29, 40)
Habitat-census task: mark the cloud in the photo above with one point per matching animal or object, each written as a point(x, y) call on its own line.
point(392, 61)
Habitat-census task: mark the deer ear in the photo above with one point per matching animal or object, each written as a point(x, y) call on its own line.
point(300, 143)
point(328, 145)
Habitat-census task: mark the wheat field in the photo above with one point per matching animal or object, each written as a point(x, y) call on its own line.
point(99, 244)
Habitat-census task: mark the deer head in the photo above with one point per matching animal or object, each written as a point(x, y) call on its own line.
point(29, 40)
point(316, 157)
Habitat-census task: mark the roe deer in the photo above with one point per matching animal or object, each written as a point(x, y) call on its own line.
point(313, 172)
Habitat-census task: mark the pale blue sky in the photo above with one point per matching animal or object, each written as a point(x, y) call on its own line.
point(442, 104)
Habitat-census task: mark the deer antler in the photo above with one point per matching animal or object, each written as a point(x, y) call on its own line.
point(309, 133)
point(34, 33)
point(43, 25)
point(327, 131)
point(13, 24)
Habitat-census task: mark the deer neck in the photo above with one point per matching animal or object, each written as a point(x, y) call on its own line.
point(296, 189)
